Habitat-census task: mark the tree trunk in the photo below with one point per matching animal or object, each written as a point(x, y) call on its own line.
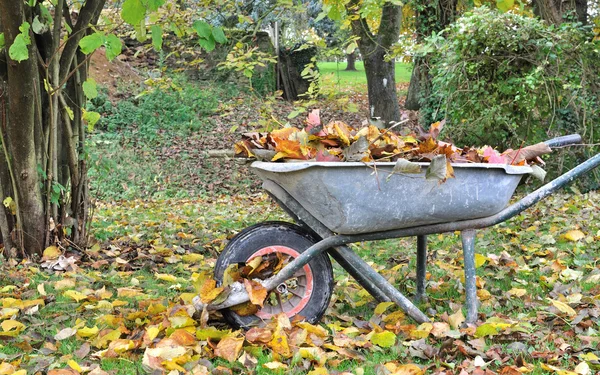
point(351, 61)
point(557, 11)
point(381, 82)
point(430, 17)
point(414, 95)
point(20, 133)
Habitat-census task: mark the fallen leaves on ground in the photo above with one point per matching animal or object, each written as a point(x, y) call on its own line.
point(130, 301)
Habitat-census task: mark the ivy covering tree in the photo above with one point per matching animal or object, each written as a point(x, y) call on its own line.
point(45, 48)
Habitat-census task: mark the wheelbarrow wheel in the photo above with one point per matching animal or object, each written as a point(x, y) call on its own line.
point(306, 294)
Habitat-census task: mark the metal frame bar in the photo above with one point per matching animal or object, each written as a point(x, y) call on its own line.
point(421, 268)
point(369, 278)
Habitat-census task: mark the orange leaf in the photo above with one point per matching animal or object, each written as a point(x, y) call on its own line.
point(183, 337)
point(229, 348)
point(429, 145)
point(256, 291)
point(283, 134)
point(288, 149)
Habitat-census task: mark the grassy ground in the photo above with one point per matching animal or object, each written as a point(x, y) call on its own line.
point(334, 74)
point(164, 213)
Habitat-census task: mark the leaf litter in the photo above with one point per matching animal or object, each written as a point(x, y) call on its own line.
point(130, 299)
point(338, 141)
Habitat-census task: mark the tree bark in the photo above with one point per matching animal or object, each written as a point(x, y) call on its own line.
point(20, 132)
point(557, 11)
point(351, 61)
point(381, 81)
point(430, 17)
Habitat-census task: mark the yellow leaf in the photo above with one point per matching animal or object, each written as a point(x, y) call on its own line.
point(456, 319)
point(165, 277)
point(6, 368)
point(51, 252)
point(209, 291)
point(11, 328)
point(563, 307)
point(192, 258)
point(181, 321)
point(11, 205)
point(421, 332)
point(589, 357)
point(187, 297)
point(383, 339)
point(557, 370)
point(20, 372)
point(381, 307)
point(480, 260)
point(517, 292)
point(8, 312)
point(41, 290)
point(319, 371)
point(64, 284)
point(8, 288)
point(87, 332)
point(275, 365)
point(152, 332)
point(408, 369)
point(120, 346)
point(74, 365)
point(77, 296)
point(102, 341)
point(574, 235)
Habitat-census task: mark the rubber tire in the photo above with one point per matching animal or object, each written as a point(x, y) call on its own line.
point(272, 233)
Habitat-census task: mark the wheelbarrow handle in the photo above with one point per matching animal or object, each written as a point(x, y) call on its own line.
point(566, 140)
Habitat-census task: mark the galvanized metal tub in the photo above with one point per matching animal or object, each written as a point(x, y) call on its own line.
point(353, 198)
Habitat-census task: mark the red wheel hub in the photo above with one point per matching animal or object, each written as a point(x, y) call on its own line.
point(296, 295)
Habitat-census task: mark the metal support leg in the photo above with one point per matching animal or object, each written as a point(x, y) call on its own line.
point(371, 276)
point(421, 268)
point(357, 272)
point(468, 244)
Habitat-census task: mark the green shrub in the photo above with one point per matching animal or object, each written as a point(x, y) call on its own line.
point(174, 110)
point(504, 79)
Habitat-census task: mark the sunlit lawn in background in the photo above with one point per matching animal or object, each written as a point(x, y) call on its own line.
point(333, 73)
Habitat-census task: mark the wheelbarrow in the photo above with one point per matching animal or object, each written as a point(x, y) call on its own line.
point(338, 203)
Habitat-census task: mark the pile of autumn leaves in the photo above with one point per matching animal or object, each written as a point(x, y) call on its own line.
point(338, 141)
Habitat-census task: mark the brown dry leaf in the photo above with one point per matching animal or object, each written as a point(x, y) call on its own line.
point(65, 333)
point(229, 348)
point(259, 335)
point(256, 291)
point(515, 157)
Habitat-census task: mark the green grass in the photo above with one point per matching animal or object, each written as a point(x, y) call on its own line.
point(333, 73)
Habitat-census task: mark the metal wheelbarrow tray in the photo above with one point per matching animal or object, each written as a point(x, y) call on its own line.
point(353, 198)
point(335, 204)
